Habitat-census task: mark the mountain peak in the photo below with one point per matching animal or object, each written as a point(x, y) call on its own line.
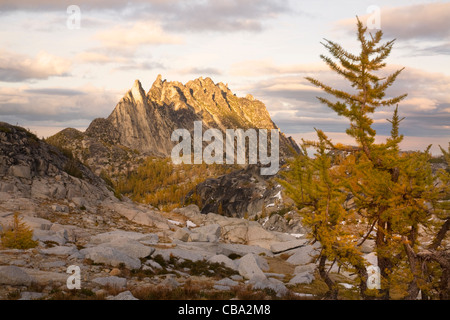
point(137, 84)
point(146, 122)
point(137, 93)
point(158, 82)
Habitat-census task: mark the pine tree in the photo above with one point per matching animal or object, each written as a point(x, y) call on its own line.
point(359, 70)
point(20, 236)
point(357, 107)
point(318, 183)
point(392, 190)
point(300, 173)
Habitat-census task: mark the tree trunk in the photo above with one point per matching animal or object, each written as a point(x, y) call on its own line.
point(384, 263)
point(414, 264)
point(443, 258)
point(363, 276)
point(440, 235)
point(332, 293)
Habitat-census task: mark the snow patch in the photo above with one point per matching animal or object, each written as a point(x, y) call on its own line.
point(278, 195)
point(177, 223)
point(190, 224)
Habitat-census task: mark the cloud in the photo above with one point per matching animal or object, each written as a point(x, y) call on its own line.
point(256, 68)
point(128, 37)
point(429, 50)
point(56, 105)
point(175, 15)
point(97, 58)
point(55, 92)
point(224, 15)
point(292, 103)
point(16, 68)
point(420, 21)
point(201, 71)
point(134, 65)
point(421, 104)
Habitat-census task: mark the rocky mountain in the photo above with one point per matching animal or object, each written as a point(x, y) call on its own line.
point(142, 123)
point(146, 121)
point(242, 193)
point(31, 168)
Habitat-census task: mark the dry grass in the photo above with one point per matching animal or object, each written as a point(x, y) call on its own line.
point(279, 265)
point(81, 294)
point(190, 290)
point(203, 290)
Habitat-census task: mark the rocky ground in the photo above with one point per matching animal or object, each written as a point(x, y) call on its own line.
point(129, 251)
point(126, 251)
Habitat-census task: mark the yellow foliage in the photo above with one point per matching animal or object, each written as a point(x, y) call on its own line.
point(164, 185)
point(20, 236)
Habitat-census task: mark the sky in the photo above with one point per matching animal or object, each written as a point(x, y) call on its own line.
point(65, 63)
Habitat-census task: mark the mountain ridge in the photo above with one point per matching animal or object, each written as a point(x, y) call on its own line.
point(147, 120)
point(141, 124)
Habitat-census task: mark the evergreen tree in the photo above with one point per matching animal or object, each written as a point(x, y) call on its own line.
point(357, 107)
point(392, 190)
point(318, 183)
point(20, 236)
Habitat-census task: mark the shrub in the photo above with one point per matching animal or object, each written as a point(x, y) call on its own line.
point(20, 236)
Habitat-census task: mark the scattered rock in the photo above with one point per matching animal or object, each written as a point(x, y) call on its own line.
point(220, 258)
point(192, 212)
point(31, 295)
point(126, 295)
point(46, 277)
point(242, 250)
point(51, 236)
point(248, 267)
point(53, 264)
point(182, 234)
point(236, 277)
point(183, 254)
point(302, 278)
point(131, 248)
point(258, 236)
point(262, 263)
point(303, 255)
point(273, 284)
point(227, 282)
point(274, 275)
point(14, 276)
point(60, 208)
point(153, 264)
point(170, 282)
point(37, 223)
point(208, 233)
point(115, 272)
point(118, 235)
point(311, 267)
point(110, 256)
point(60, 251)
point(221, 288)
point(112, 281)
point(288, 245)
